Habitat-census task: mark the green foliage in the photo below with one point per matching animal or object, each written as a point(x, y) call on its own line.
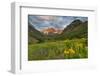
point(58, 50)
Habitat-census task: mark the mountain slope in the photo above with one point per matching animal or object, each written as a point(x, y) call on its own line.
point(34, 36)
point(77, 29)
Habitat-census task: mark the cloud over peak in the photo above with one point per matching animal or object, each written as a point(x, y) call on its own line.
point(40, 21)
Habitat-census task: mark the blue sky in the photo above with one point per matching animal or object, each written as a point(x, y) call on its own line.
point(60, 22)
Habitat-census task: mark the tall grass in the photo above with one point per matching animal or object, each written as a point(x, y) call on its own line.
point(66, 49)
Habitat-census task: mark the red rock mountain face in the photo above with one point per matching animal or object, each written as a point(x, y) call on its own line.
point(51, 31)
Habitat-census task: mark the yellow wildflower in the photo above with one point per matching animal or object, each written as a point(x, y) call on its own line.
point(66, 52)
point(71, 51)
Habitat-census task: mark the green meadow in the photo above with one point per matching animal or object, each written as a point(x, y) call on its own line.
point(64, 49)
